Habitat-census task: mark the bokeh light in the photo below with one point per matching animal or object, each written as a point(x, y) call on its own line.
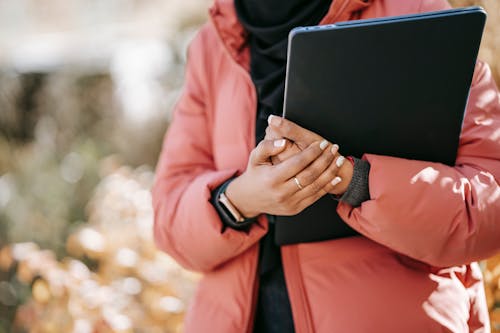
point(86, 93)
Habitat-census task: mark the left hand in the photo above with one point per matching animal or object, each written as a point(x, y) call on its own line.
point(298, 138)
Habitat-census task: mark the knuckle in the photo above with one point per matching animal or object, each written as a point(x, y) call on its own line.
point(263, 144)
point(309, 155)
point(307, 177)
point(256, 151)
point(295, 210)
point(331, 172)
point(269, 133)
point(319, 194)
point(268, 180)
point(329, 157)
point(323, 163)
point(282, 156)
point(315, 148)
point(300, 160)
point(280, 197)
point(328, 188)
point(318, 169)
point(286, 127)
point(290, 130)
point(315, 187)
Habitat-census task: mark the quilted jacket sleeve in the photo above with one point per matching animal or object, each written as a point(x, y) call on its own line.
point(186, 225)
point(435, 213)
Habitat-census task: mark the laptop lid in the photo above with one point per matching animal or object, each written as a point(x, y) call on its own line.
point(394, 86)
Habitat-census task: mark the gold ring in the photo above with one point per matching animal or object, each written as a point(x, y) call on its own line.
point(298, 183)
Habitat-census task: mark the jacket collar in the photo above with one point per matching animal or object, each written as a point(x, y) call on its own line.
point(233, 36)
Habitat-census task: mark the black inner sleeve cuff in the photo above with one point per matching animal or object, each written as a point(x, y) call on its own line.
point(358, 190)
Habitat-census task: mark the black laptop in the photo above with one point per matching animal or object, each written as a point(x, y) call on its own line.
point(395, 86)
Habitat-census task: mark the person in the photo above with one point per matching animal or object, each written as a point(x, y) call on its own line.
point(230, 164)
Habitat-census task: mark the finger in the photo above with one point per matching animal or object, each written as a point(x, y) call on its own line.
point(271, 134)
point(320, 180)
point(292, 166)
point(291, 149)
point(265, 150)
point(309, 200)
point(288, 129)
point(308, 178)
point(346, 174)
point(328, 180)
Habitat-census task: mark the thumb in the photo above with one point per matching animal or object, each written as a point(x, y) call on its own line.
point(266, 149)
point(290, 130)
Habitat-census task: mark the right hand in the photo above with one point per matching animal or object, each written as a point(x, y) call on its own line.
point(297, 139)
point(271, 189)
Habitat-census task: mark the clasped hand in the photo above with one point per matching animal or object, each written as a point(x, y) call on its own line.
point(288, 171)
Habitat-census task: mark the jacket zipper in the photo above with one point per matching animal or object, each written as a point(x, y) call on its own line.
point(293, 276)
point(301, 312)
point(297, 296)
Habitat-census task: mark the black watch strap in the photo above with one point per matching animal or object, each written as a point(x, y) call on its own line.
point(226, 216)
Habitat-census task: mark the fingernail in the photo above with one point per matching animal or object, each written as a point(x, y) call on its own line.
point(274, 120)
point(323, 144)
point(335, 149)
point(340, 161)
point(336, 180)
point(279, 143)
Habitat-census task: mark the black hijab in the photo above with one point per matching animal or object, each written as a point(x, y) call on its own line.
point(268, 23)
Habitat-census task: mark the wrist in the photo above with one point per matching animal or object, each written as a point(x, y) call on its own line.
point(235, 193)
point(358, 190)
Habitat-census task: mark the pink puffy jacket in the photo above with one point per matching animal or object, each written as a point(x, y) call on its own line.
point(413, 270)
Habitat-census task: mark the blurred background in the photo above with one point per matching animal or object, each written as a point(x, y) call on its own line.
point(86, 92)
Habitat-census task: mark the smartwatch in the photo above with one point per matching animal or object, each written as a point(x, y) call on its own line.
point(229, 214)
point(233, 211)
